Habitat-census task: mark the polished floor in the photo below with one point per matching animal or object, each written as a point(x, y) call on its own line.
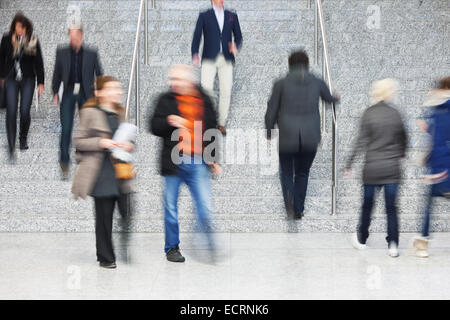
point(246, 266)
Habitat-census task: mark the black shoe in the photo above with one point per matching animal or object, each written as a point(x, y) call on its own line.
point(174, 255)
point(108, 265)
point(12, 156)
point(23, 144)
point(64, 170)
point(298, 216)
point(290, 212)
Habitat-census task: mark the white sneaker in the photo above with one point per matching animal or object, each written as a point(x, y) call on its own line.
point(356, 244)
point(393, 250)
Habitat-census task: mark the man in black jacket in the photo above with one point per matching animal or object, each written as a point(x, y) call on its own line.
point(294, 106)
point(185, 118)
point(75, 66)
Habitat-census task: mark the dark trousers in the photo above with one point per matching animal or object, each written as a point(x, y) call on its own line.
point(390, 197)
point(434, 191)
point(25, 89)
point(294, 174)
point(104, 209)
point(67, 114)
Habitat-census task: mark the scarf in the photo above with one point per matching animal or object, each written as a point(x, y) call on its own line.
point(436, 98)
point(28, 45)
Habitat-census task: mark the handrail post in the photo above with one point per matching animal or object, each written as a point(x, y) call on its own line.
point(324, 43)
point(146, 31)
point(326, 60)
point(323, 104)
point(137, 88)
point(316, 33)
point(133, 64)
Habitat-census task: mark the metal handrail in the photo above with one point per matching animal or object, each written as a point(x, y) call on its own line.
point(326, 69)
point(134, 73)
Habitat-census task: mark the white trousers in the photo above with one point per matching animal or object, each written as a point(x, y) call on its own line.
point(225, 70)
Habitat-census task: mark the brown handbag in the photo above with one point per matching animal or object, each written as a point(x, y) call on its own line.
point(125, 170)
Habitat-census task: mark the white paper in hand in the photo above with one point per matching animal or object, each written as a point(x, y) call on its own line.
point(125, 133)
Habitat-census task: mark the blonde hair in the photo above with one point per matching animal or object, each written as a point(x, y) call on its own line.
point(182, 71)
point(383, 90)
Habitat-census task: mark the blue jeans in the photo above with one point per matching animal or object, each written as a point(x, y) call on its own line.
point(25, 89)
point(196, 177)
point(390, 196)
point(67, 113)
point(434, 191)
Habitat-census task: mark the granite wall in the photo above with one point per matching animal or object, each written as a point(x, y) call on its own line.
point(407, 40)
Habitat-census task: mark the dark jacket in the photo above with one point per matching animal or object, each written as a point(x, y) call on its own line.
point(382, 136)
point(91, 66)
point(439, 158)
point(208, 26)
point(294, 107)
point(32, 66)
point(167, 105)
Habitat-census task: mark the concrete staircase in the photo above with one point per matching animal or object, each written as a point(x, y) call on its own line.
point(33, 198)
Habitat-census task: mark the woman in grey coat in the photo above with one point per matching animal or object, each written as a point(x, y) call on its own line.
point(382, 136)
point(95, 176)
point(294, 107)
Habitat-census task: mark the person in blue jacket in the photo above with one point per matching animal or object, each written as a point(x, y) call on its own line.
point(218, 26)
point(438, 160)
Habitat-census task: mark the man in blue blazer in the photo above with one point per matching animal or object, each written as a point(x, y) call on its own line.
point(217, 26)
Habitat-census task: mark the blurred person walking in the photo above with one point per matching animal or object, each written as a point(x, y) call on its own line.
point(21, 64)
point(438, 159)
point(383, 139)
point(97, 172)
point(217, 25)
point(187, 112)
point(294, 107)
point(76, 66)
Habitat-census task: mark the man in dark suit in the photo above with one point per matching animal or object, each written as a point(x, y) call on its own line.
point(294, 107)
point(75, 67)
point(217, 26)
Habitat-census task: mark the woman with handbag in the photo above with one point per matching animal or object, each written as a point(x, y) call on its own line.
point(98, 174)
point(20, 64)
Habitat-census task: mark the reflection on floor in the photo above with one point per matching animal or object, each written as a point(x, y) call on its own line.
point(247, 266)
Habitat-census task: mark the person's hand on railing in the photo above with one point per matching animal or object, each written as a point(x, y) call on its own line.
point(196, 60)
point(337, 96)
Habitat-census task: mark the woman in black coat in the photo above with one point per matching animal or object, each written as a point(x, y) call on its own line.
point(20, 64)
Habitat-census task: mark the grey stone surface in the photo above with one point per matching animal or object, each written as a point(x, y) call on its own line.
point(410, 45)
